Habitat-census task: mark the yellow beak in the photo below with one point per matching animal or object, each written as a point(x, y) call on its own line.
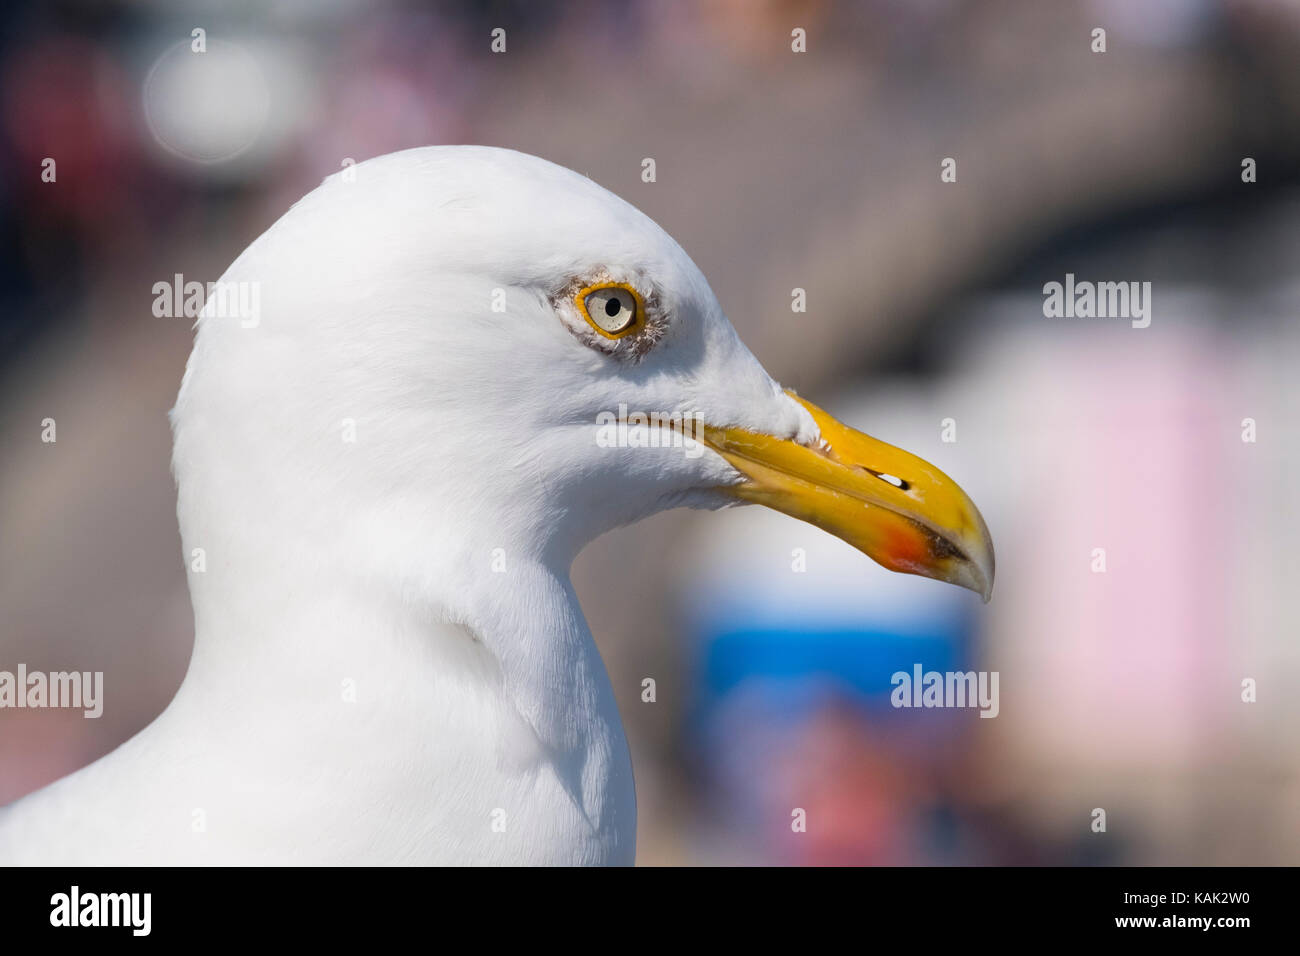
point(898, 509)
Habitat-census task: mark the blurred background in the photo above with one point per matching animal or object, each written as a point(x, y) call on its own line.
point(770, 643)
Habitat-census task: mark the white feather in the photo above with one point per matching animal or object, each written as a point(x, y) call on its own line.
point(484, 727)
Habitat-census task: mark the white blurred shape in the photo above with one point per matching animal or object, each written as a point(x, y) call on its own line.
point(206, 107)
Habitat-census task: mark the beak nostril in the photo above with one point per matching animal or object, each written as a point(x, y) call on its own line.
point(894, 480)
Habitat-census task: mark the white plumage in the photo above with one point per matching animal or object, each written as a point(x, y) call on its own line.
point(390, 664)
point(480, 697)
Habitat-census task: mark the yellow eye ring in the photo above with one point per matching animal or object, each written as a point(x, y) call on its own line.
point(613, 309)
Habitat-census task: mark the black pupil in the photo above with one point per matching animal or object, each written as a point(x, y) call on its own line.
point(613, 307)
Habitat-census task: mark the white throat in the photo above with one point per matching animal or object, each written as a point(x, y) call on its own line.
point(330, 716)
point(443, 694)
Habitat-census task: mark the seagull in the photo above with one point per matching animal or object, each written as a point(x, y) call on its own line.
point(384, 476)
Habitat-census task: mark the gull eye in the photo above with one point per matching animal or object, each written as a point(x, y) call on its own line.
point(612, 308)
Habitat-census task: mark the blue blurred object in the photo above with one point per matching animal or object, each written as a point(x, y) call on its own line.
point(795, 639)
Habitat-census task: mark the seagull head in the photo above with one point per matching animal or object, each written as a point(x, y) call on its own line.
point(475, 338)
